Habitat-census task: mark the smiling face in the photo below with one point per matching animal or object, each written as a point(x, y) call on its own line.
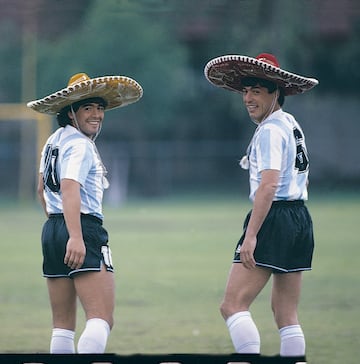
point(259, 102)
point(89, 117)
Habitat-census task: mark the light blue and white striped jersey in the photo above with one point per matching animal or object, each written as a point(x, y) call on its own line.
point(278, 143)
point(76, 158)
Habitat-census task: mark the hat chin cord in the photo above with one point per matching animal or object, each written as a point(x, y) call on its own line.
point(271, 108)
point(104, 179)
point(78, 127)
point(244, 162)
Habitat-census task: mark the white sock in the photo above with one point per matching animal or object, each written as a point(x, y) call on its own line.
point(244, 333)
point(292, 341)
point(94, 338)
point(62, 341)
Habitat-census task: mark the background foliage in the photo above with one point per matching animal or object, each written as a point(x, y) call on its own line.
point(184, 131)
point(165, 45)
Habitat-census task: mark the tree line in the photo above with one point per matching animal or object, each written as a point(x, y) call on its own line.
point(164, 45)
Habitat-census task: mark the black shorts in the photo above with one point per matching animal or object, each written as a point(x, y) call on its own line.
point(54, 239)
point(285, 242)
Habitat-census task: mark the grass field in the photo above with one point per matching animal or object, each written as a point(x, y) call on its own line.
point(172, 258)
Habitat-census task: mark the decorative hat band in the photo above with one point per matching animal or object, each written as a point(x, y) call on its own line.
point(117, 91)
point(228, 71)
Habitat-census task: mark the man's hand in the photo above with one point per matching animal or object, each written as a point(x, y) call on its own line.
point(262, 203)
point(75, 248)
point(247, 252)
point(75, 253)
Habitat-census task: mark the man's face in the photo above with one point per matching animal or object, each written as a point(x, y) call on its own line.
point(258, 102)
point(89, 117)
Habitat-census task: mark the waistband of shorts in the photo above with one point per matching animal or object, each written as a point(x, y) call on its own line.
point(86, 216)
point(284, 203)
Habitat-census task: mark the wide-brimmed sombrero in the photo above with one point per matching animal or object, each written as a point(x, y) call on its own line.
point(228, 71)
point(117, 91)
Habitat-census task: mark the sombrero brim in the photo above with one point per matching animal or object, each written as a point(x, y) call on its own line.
point(117, 91)
point(228, 71)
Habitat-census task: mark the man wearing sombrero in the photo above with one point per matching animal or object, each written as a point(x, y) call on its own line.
point(277, 239)
point(76, 256)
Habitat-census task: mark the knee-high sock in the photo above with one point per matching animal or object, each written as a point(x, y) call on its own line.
point(62, 341)
point(292, 341)
point(94, 338)
point(244, 333)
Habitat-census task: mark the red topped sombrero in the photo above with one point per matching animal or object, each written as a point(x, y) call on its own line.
point(117, 91)
point(228, 71)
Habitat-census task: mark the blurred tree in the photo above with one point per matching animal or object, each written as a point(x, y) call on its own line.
point(19, 17)
point(10, 49)
point(214, 28)
point(56, 17)
point(165, 45)
point(119, 39)
point(327, 44)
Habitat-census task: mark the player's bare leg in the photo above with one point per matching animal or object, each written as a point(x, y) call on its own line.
point(96, 291)
point(242, 288)
point(63, 306)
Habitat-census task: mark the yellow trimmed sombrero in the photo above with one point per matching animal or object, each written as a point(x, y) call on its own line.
point(228, 71)
point(117, 91)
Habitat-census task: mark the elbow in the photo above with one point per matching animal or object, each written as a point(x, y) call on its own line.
point(40, 197)
point(269, 181)
point(40, 193)
point(272, 187)
point(266, 191)
point(40, 188)
point(269, 190)
point(269, 186)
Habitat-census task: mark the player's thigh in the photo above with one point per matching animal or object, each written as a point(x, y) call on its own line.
point(96, 291)
point(62, 297)
point(242, 287)
point(285, 297)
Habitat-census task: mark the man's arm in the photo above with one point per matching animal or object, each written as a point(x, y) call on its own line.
point(75, 249)
point(40, 192)
point(261, 206)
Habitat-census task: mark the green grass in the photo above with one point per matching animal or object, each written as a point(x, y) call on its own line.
point(172, 257)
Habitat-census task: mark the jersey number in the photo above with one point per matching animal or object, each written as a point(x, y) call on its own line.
point(301, 160)
point(51, 179)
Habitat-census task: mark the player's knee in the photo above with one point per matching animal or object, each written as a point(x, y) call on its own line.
point(225, 310)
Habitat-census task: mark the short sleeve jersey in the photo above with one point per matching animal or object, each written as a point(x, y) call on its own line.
point(76, 158)
point(279, 144)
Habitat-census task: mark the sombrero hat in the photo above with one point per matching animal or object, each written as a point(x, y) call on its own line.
point(117, 91)
point(228, 71)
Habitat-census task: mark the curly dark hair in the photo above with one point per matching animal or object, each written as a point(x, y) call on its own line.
point(63, 118)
